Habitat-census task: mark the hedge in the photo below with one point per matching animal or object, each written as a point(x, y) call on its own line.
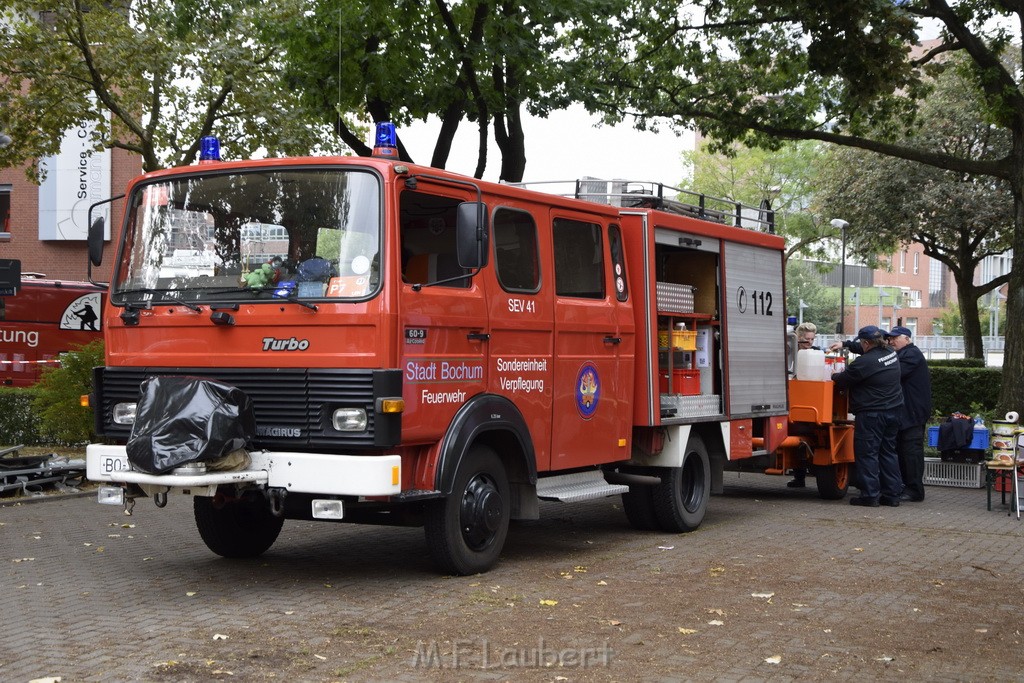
point(956, 363)
point(964, 389)
point(19, 421)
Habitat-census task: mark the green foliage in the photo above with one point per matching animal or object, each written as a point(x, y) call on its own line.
point(60, 413)
point(19, 423)
point(964, 389)
point(152, 77)
point(956, 363)
point(951, 321)
point(822, 303)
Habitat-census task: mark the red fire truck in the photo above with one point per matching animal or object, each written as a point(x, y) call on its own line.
point(400, 344)
point(42, 320)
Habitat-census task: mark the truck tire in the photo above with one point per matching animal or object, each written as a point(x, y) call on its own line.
point(466, 531)
point(681, 499)
point(236, 529)
point(832, 480)
point(638, 504)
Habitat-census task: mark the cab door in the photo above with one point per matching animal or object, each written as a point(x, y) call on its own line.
point(593, 344)
point(520, 313)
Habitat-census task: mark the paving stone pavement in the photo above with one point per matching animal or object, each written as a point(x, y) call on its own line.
point(928, 591)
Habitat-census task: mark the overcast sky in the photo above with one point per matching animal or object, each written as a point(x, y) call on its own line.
point(567, 145)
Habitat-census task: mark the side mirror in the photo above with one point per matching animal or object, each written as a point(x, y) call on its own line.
point(95, 241)
point(471, 234)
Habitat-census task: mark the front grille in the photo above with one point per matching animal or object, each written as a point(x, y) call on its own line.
point(285, 401)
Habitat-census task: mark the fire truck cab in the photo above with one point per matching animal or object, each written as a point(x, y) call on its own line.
point(420, 347)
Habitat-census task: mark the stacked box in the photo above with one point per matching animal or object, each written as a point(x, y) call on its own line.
point(674, 297)
point(958, 474)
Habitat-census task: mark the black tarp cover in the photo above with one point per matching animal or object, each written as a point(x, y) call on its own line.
point(188, 419)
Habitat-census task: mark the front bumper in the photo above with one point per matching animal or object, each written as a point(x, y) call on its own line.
point(316, 473)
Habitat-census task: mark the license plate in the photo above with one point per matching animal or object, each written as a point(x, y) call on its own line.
point(112, 464)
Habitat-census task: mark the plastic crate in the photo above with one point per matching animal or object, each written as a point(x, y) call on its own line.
point(959, 474)
point(979, 441)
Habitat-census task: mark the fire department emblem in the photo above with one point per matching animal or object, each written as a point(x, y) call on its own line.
point(588, 390)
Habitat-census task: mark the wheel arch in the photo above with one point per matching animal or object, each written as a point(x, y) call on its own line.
point(497, 423)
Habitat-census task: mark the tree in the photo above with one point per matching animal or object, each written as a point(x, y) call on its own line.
point(481, 61)
point(840, 72)
point(959, 218)
point(153, 77)
point(803, 284)
point(785, 176)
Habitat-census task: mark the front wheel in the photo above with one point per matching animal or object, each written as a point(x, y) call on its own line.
point(832, 480)
point(466, 531)
point(681, 499)
point(238, 528)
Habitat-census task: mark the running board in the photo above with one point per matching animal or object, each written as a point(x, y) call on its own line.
point(572, 488)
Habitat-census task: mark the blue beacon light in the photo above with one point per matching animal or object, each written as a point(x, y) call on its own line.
point(385, 142)
point(209, 150)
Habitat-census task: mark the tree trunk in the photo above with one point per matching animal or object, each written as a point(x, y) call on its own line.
point(1011, 394)
point(967, 297)
point(508, 132)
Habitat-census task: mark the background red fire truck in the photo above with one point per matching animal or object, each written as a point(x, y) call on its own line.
point(399, 344)
point(42, 319)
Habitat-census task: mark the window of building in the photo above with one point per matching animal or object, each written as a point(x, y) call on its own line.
point(579, 259)
point(5, 212)
point(903, 261)
point(917, 262)
point(516, 260)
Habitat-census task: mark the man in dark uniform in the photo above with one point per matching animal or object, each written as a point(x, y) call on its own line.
point(917, 408)
point(876, 399)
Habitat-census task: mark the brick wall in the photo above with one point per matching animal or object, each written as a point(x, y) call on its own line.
point(62, 260)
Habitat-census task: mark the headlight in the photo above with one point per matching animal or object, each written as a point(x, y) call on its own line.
point(350, 420)
point(124, 413)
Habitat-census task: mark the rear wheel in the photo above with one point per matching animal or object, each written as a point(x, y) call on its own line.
point(638, 504)
point(236, 529)
point(832, 480)
point(681, 499)
point(466, 531)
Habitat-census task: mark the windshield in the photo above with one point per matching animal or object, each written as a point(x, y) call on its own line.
point(261, 234)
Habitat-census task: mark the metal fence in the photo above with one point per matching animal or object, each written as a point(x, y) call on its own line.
point(937, 346)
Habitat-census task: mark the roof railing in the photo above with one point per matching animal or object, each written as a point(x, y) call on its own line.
point(646, 194)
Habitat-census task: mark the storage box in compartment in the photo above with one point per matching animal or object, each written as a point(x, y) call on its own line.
point(978, 441)
point(957, 474)
point(674, 297)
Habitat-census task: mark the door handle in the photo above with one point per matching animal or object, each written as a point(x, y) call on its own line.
point(478, 336)
point(613, 340)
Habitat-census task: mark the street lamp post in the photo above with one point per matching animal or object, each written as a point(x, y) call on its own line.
point(842, 225)
point(856, 306)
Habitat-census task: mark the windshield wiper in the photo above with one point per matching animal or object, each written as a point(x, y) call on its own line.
point(164, 295)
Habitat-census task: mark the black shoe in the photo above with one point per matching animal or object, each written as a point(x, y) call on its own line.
point(911, 498)
point(796, 484)
point(891, 502)
point(864, 502)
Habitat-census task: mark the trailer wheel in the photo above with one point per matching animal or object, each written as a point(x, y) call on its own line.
point(638, 504)
point(832, 480)
point(681, 499)
point(236, 529)
point(466, 531)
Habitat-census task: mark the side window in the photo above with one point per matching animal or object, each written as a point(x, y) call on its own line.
point(427, 233)
point(618, 262)
point(515, 251)
point(579, 259)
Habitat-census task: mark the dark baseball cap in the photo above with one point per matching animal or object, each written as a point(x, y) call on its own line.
point(897, 331)
point(870, 332)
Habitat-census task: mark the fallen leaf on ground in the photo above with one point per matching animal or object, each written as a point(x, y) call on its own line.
point(719, 612)
point(219, 636)
point(549, 603)
point(763, 595)
point(775, 659)
point(885, 658)
point(602, 583)
point(190, 593)
point(687, 631)
point(716, 622)
point(716, 571)
point(321, 657)
point(666, 547)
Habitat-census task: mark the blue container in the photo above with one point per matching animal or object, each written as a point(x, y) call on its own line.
point(978, 442)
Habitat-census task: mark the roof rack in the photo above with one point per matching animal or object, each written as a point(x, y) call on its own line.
point(646, 194)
